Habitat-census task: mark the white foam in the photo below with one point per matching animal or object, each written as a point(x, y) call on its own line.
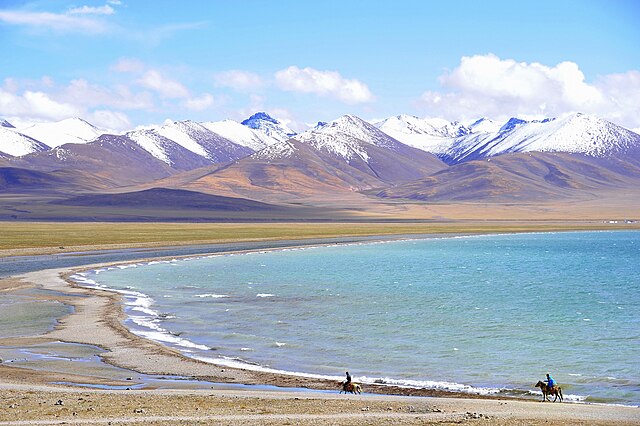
point(148, 323)
point(568, 397)
point(214, 296)
point(265, 295)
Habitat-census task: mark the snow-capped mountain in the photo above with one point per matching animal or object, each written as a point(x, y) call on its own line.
point(202, 141)
point(70, 130)
point(419, 133)
point(348, 137)
point(455, 143)
point(268, 125)
point(167, 150)
point(447, 129)
point(576, 133)
point(484, 125)
point(361, 145)
point(113, 160)
point(5, 123)
point(241, 134)
point(16, 144)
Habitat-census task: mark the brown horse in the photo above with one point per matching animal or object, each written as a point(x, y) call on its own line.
point(546, 391)
point(351, 387)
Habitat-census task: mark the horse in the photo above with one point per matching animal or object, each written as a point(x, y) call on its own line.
point(546, 391)
point(351, 387)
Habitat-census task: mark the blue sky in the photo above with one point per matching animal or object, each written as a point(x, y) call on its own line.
point(124, 63)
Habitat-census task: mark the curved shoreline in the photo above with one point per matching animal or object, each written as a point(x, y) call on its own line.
point(97, 321)
point(381, 386)
point(79, 279)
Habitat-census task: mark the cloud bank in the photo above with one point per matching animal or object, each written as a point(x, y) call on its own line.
point(323, 83)
point(486, 85)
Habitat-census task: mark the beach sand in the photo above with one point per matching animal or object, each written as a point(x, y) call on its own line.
point(28, 395)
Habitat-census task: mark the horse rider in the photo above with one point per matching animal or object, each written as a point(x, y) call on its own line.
point(348, 379)
point(551, 383)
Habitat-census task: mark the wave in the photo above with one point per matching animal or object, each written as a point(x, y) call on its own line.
point(147, 326)
point(148, 323)
point(214, 296)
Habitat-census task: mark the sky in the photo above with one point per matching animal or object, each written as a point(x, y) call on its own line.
point(121, 64)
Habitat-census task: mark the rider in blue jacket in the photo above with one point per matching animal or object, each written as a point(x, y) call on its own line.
point(550, 382)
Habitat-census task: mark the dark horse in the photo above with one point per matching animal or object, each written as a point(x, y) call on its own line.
point(546, 391)
point(351, 387)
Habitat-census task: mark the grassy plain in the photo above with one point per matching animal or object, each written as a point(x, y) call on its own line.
point(18, 238)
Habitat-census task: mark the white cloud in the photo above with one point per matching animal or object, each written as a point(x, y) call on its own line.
point(323, 83)
point(55, 21)
point(92, 10)
point(35, 106)
point(165, 87)
point(485, 85)
point(199, 103)
point(239, 80)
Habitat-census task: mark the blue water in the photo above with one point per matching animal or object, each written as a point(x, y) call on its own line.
point(485, 314)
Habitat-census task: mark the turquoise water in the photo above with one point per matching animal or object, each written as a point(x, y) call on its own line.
point(489, 314)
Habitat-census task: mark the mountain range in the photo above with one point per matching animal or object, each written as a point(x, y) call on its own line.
point(346, 164)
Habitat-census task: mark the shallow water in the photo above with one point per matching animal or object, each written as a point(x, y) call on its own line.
point(22, 315)
point(481, 314)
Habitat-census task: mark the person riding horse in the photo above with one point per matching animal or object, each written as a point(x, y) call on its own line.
point(551, 383)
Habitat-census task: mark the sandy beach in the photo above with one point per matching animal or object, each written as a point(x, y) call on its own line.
point(34, 392)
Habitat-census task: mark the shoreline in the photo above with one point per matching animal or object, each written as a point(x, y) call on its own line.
point(97, 321)
point(380, 386)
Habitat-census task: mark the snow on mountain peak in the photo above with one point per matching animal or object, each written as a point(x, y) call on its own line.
point(260, 116)
point(70, 130)
point(449, 129)
point(153, 143)
point(512, 124)
point(263, 122)
point(240, 134)
point(347, 137)
point(575, 133)
point(189, 135)
point(484, 125)
point(581, 133)
point(5, 123)
point(432, 135)
point(17, 144)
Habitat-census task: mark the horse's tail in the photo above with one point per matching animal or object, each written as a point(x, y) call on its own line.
point(560, 392)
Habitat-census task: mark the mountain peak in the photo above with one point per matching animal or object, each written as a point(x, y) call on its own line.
point(5, 123)
point(348, 119)
point(264, 123)
point(512, 124)
point(76, 120)
point(69, 130)
point(259, 116)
